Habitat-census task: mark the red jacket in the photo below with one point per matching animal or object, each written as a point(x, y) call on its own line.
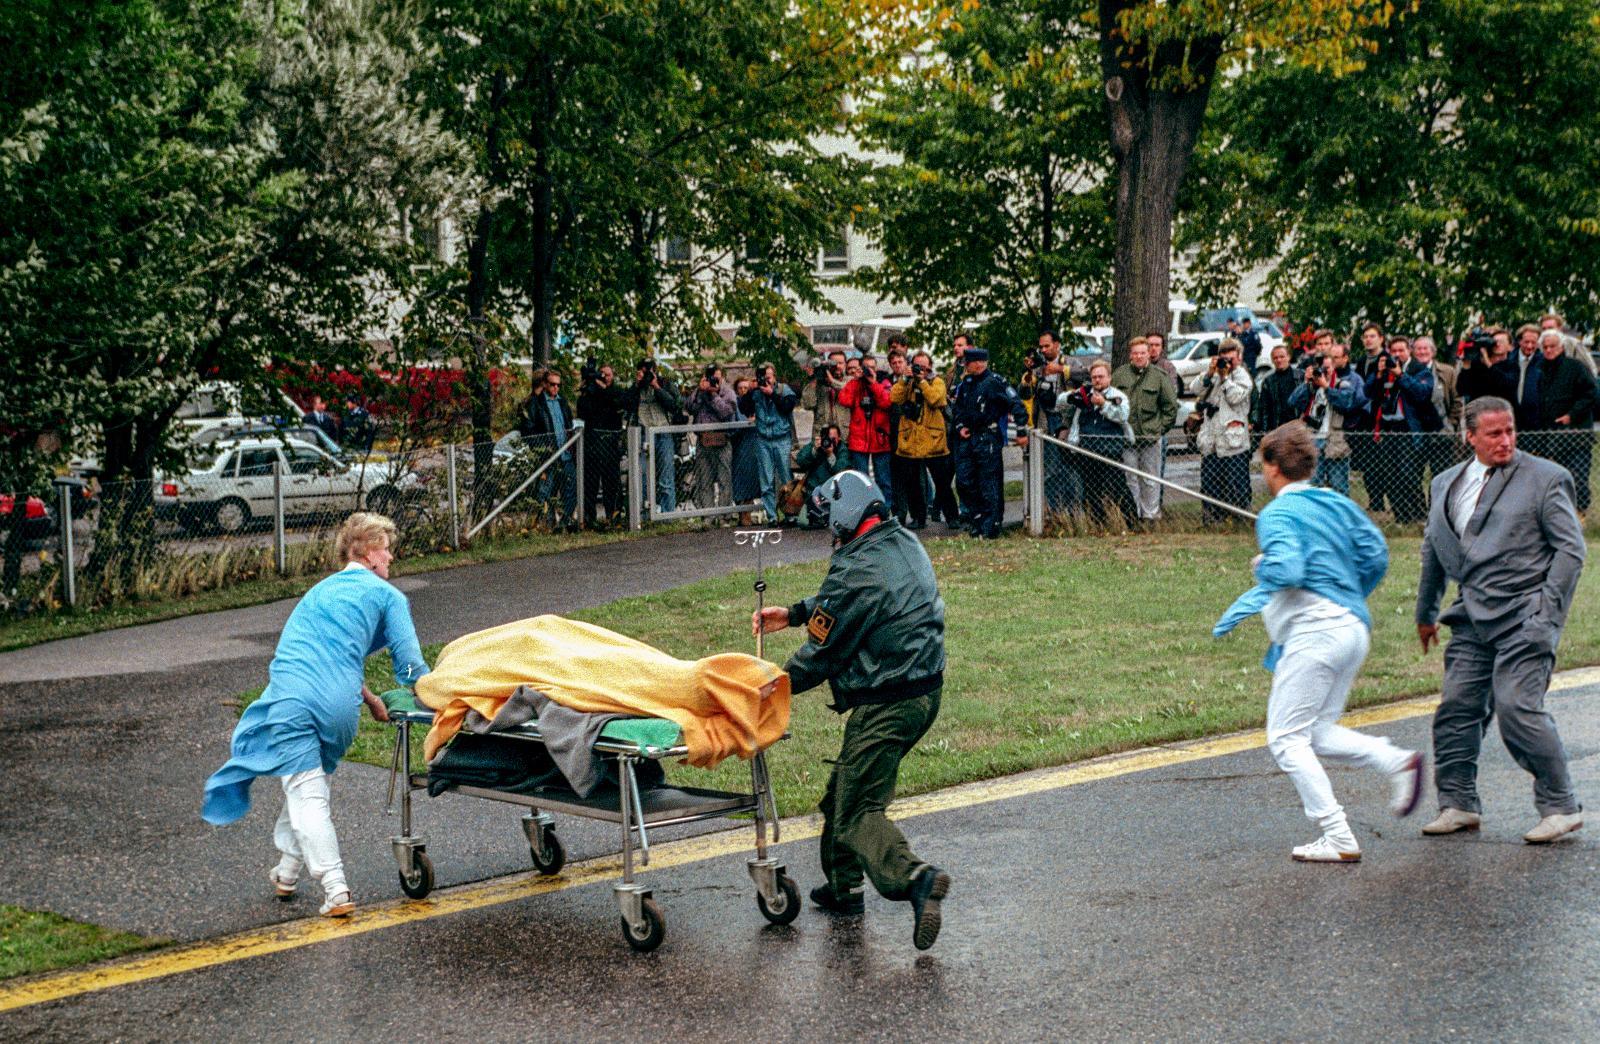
point(867, 434)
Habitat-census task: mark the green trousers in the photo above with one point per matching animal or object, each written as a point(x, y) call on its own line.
point(857, 837)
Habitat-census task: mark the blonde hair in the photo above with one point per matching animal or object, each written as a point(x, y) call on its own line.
point(1099, 364)
point(360, 533)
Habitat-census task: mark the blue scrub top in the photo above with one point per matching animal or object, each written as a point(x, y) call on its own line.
point(312, 704)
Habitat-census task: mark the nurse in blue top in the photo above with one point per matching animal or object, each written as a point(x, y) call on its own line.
point(307, 717)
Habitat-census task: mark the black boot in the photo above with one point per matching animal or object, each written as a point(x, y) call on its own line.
point(852, 905)
point(928, 889)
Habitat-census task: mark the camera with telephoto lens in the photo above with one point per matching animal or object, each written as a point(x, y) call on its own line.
point(648, 367)
point(1082, 397)
point(589, 372)
point(712, 378)
point(1224, 363)
point(1032, 360)
point(1478, 344)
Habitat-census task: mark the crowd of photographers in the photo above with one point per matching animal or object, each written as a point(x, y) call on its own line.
point(933, 441)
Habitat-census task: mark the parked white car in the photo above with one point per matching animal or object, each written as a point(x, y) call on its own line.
point(235, 488)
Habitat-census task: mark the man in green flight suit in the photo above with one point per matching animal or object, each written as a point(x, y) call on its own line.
point(875, 633)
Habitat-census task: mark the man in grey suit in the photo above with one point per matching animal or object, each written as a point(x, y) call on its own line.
point(1502, 526)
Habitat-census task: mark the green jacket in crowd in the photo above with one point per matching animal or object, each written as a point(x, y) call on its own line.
point(875, 631)
point(1152, 400)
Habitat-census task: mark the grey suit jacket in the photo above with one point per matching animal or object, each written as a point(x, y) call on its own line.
point(1519, 560)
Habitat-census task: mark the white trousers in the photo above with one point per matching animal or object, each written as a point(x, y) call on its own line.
point(304, 832)
point(1309, 689)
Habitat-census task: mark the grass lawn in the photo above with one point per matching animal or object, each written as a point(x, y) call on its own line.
point(36, 942)
point(1059, 650)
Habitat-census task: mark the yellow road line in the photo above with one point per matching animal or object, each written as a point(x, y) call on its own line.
point(296, 934)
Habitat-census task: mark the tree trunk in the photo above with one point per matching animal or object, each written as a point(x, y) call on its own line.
point(1154, 126)
point(542, 290)
point(481, 388)
point(1047, 245)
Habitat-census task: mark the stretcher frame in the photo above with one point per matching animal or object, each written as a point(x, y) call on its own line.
point(643, 925)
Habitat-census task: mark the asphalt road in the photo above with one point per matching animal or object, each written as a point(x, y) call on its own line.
point(109, 738)
point(1152, 905)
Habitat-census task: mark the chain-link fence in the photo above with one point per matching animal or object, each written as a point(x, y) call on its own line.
point(252, 508)
point(1091, 481)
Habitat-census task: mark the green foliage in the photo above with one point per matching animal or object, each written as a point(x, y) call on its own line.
point(606, 131)
point(1455, 173)
point(999, 212)
point(193, 191)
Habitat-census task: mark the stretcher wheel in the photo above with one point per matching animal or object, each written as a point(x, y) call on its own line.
point(786, 907)
point(419, 882)
point(655, 928)
point(555, 858)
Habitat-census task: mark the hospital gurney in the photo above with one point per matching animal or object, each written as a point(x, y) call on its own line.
point(628, 741)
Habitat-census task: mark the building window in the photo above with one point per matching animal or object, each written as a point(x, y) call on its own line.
point(836, 253)
point(677, 251)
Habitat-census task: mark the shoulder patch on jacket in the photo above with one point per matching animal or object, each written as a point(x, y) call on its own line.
point(819, 626)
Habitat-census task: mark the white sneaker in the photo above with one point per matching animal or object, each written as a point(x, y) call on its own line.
point(1328, 849)
point(338, 905)
point(1406, 787)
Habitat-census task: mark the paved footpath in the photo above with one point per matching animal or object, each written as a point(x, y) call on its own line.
point(1149, 897)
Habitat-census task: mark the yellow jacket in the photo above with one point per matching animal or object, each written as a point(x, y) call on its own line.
point(726, 704)
point(925, 436)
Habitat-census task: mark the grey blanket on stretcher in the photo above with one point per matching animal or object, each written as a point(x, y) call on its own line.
point(569, 735)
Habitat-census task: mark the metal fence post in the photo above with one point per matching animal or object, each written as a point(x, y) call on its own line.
point(65, 488)
point(1034, 486)
point(455, 497)
point(633, 478)
point(279, 550)
point(577, 478)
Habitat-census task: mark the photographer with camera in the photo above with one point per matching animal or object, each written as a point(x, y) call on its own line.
point(821, 394)
point(1330, 401)
point(820, 460)
point(922, 446)
point(1400, 392)
point(1049, 379)
point(1096, 419)
point(1566, 413)
point(653, 402)
point(1224, 436)
point(601, 410)
point(771, 403)
point(713, 402)
point(1481, 354)
point(868, 398)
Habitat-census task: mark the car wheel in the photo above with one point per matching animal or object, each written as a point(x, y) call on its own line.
point(382, 501)
point(232, 515)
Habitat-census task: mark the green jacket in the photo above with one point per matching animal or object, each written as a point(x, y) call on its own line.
point(875, 631)
point(1152, 400)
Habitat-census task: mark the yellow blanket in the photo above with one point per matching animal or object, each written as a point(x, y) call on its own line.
point(725, 704)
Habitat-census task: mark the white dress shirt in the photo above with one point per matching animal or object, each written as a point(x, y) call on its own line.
point(1469, 488)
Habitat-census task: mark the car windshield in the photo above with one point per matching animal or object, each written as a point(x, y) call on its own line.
point(1186, 348)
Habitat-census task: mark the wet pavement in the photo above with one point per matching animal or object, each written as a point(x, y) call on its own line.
point(1154, 905)
point(109, 739)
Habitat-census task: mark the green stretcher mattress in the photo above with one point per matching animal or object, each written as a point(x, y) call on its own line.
point(645, 733)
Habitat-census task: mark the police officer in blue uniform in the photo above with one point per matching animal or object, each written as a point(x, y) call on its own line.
point(978, 411)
